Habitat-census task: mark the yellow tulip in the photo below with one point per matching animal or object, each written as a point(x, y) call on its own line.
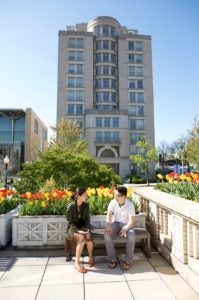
point(43, 204)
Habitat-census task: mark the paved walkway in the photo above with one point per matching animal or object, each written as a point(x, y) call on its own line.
point(44, 275)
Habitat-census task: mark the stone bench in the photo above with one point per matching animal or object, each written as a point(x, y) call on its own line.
point(141, 233)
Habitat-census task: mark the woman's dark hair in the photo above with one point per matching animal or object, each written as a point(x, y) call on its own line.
point(79, 192)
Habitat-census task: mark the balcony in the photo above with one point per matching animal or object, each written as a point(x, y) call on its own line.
point(112, 141)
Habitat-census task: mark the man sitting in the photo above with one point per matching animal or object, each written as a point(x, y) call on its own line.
point(124, 217)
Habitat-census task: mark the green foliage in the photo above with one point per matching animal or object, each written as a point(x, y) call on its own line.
point(146, 157)
point(137, 179)
point(182, 189)
point(66, 162)
point(98, 205)
point(191, 150)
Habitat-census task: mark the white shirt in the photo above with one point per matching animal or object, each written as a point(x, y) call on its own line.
point(121, 213)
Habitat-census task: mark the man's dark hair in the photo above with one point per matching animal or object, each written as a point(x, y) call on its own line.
point(122, 190)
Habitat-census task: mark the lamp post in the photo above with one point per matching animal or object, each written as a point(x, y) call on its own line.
point(6, 162)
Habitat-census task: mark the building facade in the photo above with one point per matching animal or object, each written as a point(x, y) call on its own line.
point(22, 134)
point(105, 85)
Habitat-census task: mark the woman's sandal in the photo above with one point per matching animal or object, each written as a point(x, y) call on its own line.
point(112, 264)
point(80, 269)
point(91, 262)
point(126, 266)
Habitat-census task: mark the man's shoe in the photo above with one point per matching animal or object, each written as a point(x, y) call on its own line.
point(112, 265)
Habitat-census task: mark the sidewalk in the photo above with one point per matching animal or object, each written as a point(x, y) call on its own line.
point(44, 274)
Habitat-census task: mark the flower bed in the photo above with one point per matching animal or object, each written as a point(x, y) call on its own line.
point(55, 203)
point(185, 185)
point(8, 201)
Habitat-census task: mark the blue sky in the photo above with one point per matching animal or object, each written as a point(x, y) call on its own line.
point(29, 51)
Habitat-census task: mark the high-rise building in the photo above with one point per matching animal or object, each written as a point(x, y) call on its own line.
point(105, 85)
point(22, 135)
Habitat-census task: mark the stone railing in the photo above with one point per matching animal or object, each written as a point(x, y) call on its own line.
point(174, 226)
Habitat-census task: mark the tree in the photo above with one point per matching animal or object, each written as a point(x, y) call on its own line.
point(147, 155)
point(67, 162)
point(68, 136)
point(192, 146)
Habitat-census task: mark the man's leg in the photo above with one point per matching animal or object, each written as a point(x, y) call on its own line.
point(130, 245)
point(110, 248)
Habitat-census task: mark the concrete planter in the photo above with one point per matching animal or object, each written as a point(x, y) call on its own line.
point(48, 231)
point(6, 227)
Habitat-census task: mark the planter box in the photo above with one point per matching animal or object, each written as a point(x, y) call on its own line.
point(38, 231)
point(6, 227)
point(48, 231)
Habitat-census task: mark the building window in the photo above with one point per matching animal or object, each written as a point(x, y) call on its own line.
point(131, 58)
point(132, 110)
point(140, 97)
point(107, 122)
point(105, 70)
point(115, 122)
point(79, 69)
point(71, 68)
point(79, 95)
point(75, 55)
point(76, 43)
point(98, 136)
point(98, 122)
point(36, 126)
point(135, 46)
point(137, 124)
point(132, 84)
point(132, 97)
point(75, 82)
point(140, 110)
point(131, 45)
point(140, 84)
point(107, 136)
point(138, 46)
point(105, 30)
point(105, 45)
point(113, 31)
point(79, 109)
point(71, 109)
point(135, 71)
point(138, 58)
point(116, 136)
point(140, 124)
point(97, 31)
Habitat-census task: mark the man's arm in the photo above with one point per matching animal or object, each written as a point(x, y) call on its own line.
point(129, 225)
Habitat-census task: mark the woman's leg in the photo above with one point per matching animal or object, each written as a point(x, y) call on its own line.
point(80, 242)
point(89, 245)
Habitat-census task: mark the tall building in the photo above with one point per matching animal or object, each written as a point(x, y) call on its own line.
point(105, 85)
point(22, 134)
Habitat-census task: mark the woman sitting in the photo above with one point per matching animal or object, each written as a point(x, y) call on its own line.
point(78, 229)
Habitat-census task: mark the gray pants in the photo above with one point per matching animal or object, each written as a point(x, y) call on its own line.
point(130, 243)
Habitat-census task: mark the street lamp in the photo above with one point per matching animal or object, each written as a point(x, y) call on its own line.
point(6, 162)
